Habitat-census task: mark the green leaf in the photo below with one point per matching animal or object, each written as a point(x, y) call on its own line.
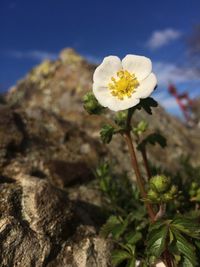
point(147, 104)
point(185, 248)
point(154, 138)
point(91, 105)
point(114, 226)
point(133, 238)
point(188, 226)
point(118, 256)
point(106, 133)
point(107, 228)
point(156, 225)
point(121, 118)
point(131, 262)
point(186, 263)
point(156, 241)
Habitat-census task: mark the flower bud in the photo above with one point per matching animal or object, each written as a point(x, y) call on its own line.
point(167, 197)
point(173, 190)
point(153, 196)
point(141, 127)
point(121, 117)
point(160, 183)
point(91, 105)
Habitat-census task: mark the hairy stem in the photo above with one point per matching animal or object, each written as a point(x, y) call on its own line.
point(146, 164)
point(139, 179)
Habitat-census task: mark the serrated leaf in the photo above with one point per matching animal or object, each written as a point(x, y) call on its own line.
point(185, 248)
point(131, 262)
point(118, 256)
point(156, 241)
point(107, 228)
point(113, 226)
point(187, 226)
point(171, 236)
point(147, 104)
point(133, 238)
point(154, 138)
point(106, 133)
point(156, 225)
point(187, 263)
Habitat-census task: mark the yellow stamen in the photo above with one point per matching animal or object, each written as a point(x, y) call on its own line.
point(124, 86)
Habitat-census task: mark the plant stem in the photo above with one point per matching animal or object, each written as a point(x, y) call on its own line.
point(167, 258)
point(161, 212)
point(146, 164)
point(138, 174)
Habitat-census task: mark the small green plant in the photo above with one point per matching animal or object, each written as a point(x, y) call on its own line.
point(152, 220)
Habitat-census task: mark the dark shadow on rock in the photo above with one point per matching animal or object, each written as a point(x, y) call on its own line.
point(70, 173)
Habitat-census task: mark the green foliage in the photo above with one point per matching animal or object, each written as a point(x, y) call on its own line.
point(120, 118)
point(127, 223)
point(153, 139)
point(106, 133)
point(178, 236)
point(133, 235)
point(147, 104)
point(141, 127)
point(156, 240)
point(91, 105)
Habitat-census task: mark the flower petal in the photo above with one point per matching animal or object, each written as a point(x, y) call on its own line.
point(139, 65)
point(102, 94)
point(146, 87)
point(106, 99)
point(106, 70)
point(116, 104)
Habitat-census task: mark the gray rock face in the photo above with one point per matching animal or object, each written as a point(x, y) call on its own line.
point(40, 226)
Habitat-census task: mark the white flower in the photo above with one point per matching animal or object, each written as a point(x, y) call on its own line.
point(120, 85)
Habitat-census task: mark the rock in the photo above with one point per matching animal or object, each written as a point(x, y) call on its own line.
point(40, 226)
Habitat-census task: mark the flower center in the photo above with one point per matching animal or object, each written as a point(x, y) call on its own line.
point(124, 85)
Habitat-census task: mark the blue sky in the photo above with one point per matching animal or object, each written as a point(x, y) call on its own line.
point(33, 30)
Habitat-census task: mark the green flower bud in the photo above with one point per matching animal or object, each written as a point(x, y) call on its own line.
point(153, 196)
point(141, 127)
point(106, 133)
point(166, 197)
point(160, 183)
point(121, 117)
point(173, 190)
point(91, 105)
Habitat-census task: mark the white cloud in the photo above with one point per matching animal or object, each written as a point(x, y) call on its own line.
point(162, 38)
point(171, 73)
point(180, 76)
point(32, 54)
